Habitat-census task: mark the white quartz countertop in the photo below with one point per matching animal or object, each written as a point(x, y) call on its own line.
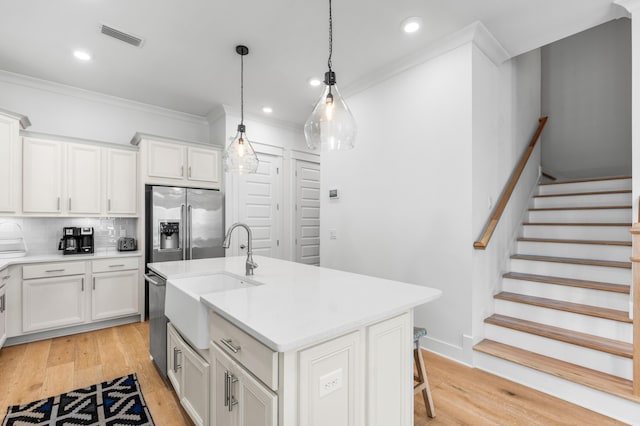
point(99, 254)
point(299, 305)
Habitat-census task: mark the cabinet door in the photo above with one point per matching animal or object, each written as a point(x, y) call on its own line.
point(195, 386)
point(122, 182)
point(174, 359)
point(41, 176)
point(203, 165)
point(389, 372)
point(257, 405)
point(84, 179)
point(114, 294)
point(9, 160)
point(3, 316)
point(221, 369)
point(52, 302)
point(165, 160)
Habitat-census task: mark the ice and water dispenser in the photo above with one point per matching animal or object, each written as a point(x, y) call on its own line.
point(169, 235)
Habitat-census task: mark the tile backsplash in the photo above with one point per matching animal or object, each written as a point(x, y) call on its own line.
point(42, 234)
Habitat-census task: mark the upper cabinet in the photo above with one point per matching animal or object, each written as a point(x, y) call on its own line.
point(73, 179)
point(169, 162)
point(10, 153)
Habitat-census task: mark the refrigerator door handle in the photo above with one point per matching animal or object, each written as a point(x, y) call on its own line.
point(189, 218)
point(184, 231)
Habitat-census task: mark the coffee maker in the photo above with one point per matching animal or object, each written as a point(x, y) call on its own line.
point(76, 240)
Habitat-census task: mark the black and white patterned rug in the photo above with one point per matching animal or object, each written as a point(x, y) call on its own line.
point(117, 402)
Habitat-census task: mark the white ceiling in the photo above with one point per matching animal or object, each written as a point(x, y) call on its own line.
point(188, 62)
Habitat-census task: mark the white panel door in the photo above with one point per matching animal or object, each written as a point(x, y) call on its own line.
point(260, 200)
point(52, 302)
point(257, 405)
point(3, 316)
point(195, 386)
point(84, 179)
point(307, 212)
point(165, 160)
point(41, 176)
point(114, 294)
point(204, 164)
point(9, 158)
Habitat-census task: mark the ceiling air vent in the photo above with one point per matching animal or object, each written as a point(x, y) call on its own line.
point(121, 35)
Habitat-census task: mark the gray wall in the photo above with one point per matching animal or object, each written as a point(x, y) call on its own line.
point(586, 92)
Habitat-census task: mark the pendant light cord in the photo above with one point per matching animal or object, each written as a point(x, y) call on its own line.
point(330, 37)
point(241, 89)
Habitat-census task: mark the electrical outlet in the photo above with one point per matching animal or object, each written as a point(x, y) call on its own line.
point(330, 382)
point(333, 234)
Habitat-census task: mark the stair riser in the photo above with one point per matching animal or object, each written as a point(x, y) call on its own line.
point(565, 270)
point(582, 216)
point(601, 185)
point(576, 251)
point(621, 409)
point(585, 296)
point(622, 199)
point(583, 323)
point(589, 358)
point(599, 233)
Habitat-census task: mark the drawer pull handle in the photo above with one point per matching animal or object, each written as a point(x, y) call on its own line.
point(229, 344)
point(176, 366)
point(54, 270)
point(116, 266)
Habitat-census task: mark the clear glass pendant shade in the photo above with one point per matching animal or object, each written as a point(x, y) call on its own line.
point(331, 124)
point(239, 157)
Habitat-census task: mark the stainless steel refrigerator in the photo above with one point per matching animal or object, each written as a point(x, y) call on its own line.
point(181, 224)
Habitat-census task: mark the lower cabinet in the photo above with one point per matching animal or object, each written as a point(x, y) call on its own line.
point(3, 314)
point(114, 294)
point(53, 302)
point(238, 398)
point(188, 372)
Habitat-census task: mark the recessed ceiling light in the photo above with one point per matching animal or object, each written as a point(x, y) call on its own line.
point(83, 55)
point(314, 82)
point(411, 25)
point(267, 110)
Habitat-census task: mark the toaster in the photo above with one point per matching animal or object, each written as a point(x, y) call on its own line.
point(127, 244)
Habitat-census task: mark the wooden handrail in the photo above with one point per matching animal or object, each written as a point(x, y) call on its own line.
point(508, 190)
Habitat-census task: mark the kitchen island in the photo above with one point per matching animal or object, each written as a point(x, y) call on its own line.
point(304, 345)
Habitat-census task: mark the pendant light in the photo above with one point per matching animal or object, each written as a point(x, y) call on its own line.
point(331, 124)
point(240, 157)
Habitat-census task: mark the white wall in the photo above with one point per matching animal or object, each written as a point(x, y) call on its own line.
point(506, 109)
point(586, 92)
point(405, 199)
point(66, 111)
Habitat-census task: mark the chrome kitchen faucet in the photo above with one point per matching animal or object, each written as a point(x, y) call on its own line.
point(250, 265)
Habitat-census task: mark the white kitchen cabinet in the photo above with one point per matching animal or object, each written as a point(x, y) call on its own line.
point(4, 278)
point(83, 179)
point(121, 182)
point(9, 164)
point(53, 302)
point(114, 294)
point(188, 372)
point(42, 176)
point(238, 398)
point(173, 162)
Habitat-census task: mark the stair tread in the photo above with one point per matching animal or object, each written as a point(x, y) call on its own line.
point(538, 209)
point(603, 344)
point(560, 182)
point(575, 373)
point(594, 285)
point(566, 241)
point(574, 261)
point(577, 308)
point(625, 224)
point(572, 194)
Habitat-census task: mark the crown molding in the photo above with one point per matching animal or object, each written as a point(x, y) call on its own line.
point(140, 136)
point(475, 33)
point(22, 119)
point(629, 5)
point(63, 89)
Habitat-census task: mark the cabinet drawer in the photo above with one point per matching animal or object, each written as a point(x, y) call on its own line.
point(115, 264)
point(261, 361)
point(58, 269)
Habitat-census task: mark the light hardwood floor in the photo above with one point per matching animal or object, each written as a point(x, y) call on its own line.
point(462, 395)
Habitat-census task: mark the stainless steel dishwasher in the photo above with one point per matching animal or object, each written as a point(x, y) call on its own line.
point(157, 321)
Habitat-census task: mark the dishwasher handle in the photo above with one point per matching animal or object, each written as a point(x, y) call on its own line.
point(150, 278)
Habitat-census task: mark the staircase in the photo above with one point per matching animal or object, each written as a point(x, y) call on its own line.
point(563, 308)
